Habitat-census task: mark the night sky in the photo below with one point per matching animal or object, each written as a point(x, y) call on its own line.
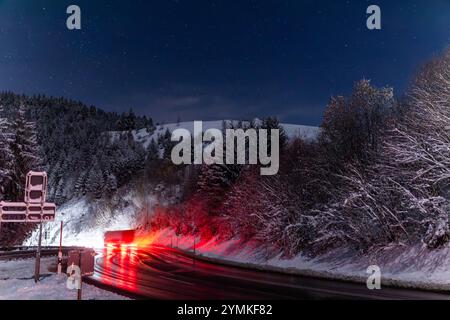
point(214, 59)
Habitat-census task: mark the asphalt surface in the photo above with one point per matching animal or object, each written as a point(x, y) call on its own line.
point(164, 273)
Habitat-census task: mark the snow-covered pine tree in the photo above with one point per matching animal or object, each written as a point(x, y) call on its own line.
point(96, 182)
point(273, 123)
point(25, 150)
point(352, 126)
point(153, 152)
point(166, 144)
point(80, 184)
point(215, 180)
point(127, 121)
point(111, 185)
point(6, 155)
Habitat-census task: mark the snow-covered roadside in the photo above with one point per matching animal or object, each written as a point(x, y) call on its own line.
point(17, 283)
point(401, 266)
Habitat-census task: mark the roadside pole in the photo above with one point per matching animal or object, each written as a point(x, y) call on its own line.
point(38, 256)
point(60, 250)
point(193, 258)
point(79, 294)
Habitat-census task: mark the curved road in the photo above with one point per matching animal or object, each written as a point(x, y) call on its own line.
point(164, 273)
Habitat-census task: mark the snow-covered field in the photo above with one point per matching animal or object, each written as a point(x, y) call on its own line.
point(17, 283)
point(292, 131)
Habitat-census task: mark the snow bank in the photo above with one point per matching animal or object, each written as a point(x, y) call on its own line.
point(17, 283)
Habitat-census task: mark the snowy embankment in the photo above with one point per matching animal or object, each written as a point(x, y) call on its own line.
point(85, 221)
point(145, 137)
point(17, 283)
point(401, 266)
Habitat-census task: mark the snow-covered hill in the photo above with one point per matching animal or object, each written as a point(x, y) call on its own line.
point(86, 220)
point(145, 137)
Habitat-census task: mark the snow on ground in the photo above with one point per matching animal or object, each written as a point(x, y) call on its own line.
point(292, 131)
point(415, 267)
point(17, 283)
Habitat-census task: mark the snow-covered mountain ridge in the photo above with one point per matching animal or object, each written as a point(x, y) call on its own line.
point(145, 136)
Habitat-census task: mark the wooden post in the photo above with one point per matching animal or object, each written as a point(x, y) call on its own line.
point(60, 249)
point(79, 293)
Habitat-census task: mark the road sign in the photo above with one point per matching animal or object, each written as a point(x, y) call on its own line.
point(36, 187)
point(27, 212)
point(34, 209)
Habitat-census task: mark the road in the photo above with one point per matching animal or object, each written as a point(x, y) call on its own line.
point(164, 273)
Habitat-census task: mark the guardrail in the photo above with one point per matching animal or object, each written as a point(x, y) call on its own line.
point(30, 252)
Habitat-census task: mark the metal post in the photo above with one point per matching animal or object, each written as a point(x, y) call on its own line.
point(146, 206)
point(37, 269)
point(193, 257)
point(79, 293)
point(60, 250)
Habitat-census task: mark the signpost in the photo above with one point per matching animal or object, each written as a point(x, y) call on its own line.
point(60, 256)
point(34, 209)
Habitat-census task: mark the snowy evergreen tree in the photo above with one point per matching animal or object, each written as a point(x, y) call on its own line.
point(127, 121)
point(111, 185)
point(6, 155)
point(26, 157)
point(352, 127)
point(25, 150)
point(153, 151)
point(96, 182)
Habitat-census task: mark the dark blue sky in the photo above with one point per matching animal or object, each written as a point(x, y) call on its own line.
point(215, 59)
